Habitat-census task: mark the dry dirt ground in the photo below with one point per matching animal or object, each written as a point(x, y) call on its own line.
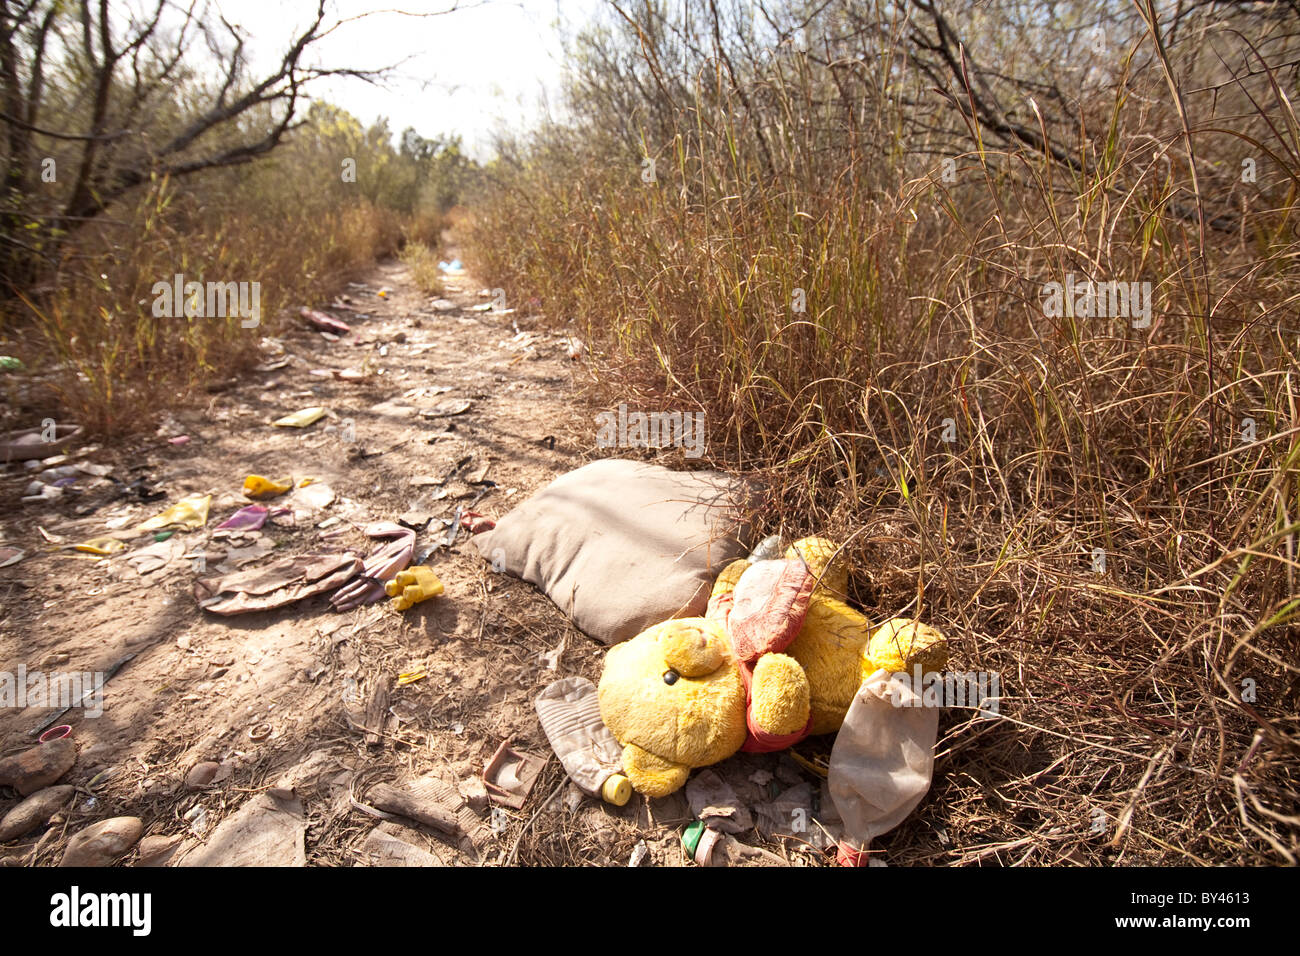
point(279, 699)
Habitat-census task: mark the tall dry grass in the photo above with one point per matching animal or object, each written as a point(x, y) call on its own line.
point(1103, 515)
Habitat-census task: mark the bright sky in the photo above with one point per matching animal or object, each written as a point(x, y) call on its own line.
point(487, 64)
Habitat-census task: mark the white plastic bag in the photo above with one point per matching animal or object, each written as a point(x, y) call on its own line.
point(883, 757)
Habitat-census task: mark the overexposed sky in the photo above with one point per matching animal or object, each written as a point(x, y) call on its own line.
point(470, 71)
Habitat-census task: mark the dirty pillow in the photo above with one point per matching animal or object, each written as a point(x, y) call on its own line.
point(622, 545)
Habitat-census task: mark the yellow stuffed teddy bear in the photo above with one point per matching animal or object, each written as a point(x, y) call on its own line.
point(778, 657)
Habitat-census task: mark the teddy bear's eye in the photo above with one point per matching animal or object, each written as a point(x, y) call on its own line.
point(670, 676)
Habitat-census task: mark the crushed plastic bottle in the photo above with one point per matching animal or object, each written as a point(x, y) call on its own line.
point(569, 710)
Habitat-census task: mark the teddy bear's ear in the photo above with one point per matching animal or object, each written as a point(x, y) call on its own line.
point(651, 775)
point(694, 647)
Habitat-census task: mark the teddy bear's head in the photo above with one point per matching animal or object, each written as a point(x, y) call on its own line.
point(674, 698)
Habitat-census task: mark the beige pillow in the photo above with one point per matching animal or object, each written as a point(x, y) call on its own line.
point(622, 545)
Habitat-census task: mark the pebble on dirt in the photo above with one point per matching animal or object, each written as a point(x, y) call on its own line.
point(201, 775)
point(38, 767)
point(103, 843)
point(34, 812)
point(158, 849)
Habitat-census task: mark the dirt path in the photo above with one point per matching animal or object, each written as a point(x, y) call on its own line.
point(198, 683)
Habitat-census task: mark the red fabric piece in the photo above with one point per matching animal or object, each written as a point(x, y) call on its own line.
point(758, 740)
point(768, 607)
point(475, 523)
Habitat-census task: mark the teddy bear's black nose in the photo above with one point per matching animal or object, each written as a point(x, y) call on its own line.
point(670, 676)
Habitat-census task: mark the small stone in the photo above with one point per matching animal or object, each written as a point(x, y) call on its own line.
point(201, 774)
point(38, 767)
point(35, 811)
point(55, 660)
point(475, 793)
point(103, 843)
point(156, 850)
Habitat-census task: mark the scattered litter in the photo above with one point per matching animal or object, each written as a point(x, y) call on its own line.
point(324, 322)
point(510, 775)
point(9, 363)
point(569, 710)
point(714, 802)
point(156, 556)
point(411, 677)
point(30, 443)
point(639, 853)
point(250, 518)
point(447, 408)
point(475, 523)
point(276, 585)
point(381, 566)
point(451, 268)
point(101, 546)
point(315, 496)
point(259, 487)
point(415, 520)
point(259, 732)
point(442, 305)
point(301, 419)
point(179, 440)
point(10, 556)
point(273, 366)
point(412, 586)
point(189, 513)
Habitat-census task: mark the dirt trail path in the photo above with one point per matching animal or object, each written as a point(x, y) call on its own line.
point(198, 684)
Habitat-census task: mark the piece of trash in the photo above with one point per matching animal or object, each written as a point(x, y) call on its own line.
point(278, 584)
point(325, 322)
point(301, 419)
point(10, 556)
point(458, 728)
point(403, 710)
point(715, 803)
point(314, 497)
point(475, 523)
point(50, 537)
point(189, 513)
point(162, 535)
point(259, 732)
point(32, 443)
point(442, 305)
point(415, 520)
point(380, 567)
point(249, 518)
point(411, 677)
point(573, 348)
point(179, 440)
point(510, 775)
point(9, 363)
point(447, 408)
point(412, 586)
point(639, 853)
point(155, 556)
point(569, 710)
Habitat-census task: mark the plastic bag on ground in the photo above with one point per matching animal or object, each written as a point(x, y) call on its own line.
point(883, 757)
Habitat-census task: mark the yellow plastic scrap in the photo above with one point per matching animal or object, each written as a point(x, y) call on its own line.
point(301, 419)
point(410, 677)
point(188, 513)
point(255, 486)
point(101, 546)
point(415, 584)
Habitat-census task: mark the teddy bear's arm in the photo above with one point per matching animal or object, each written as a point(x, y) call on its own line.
point(780, 695)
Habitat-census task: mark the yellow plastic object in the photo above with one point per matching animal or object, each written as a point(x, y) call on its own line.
point(255, 486)
point(415, 584)
point(301, 419)
point(101, 546)
point(188, 513)
point(616, 789)
point(410, 677)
